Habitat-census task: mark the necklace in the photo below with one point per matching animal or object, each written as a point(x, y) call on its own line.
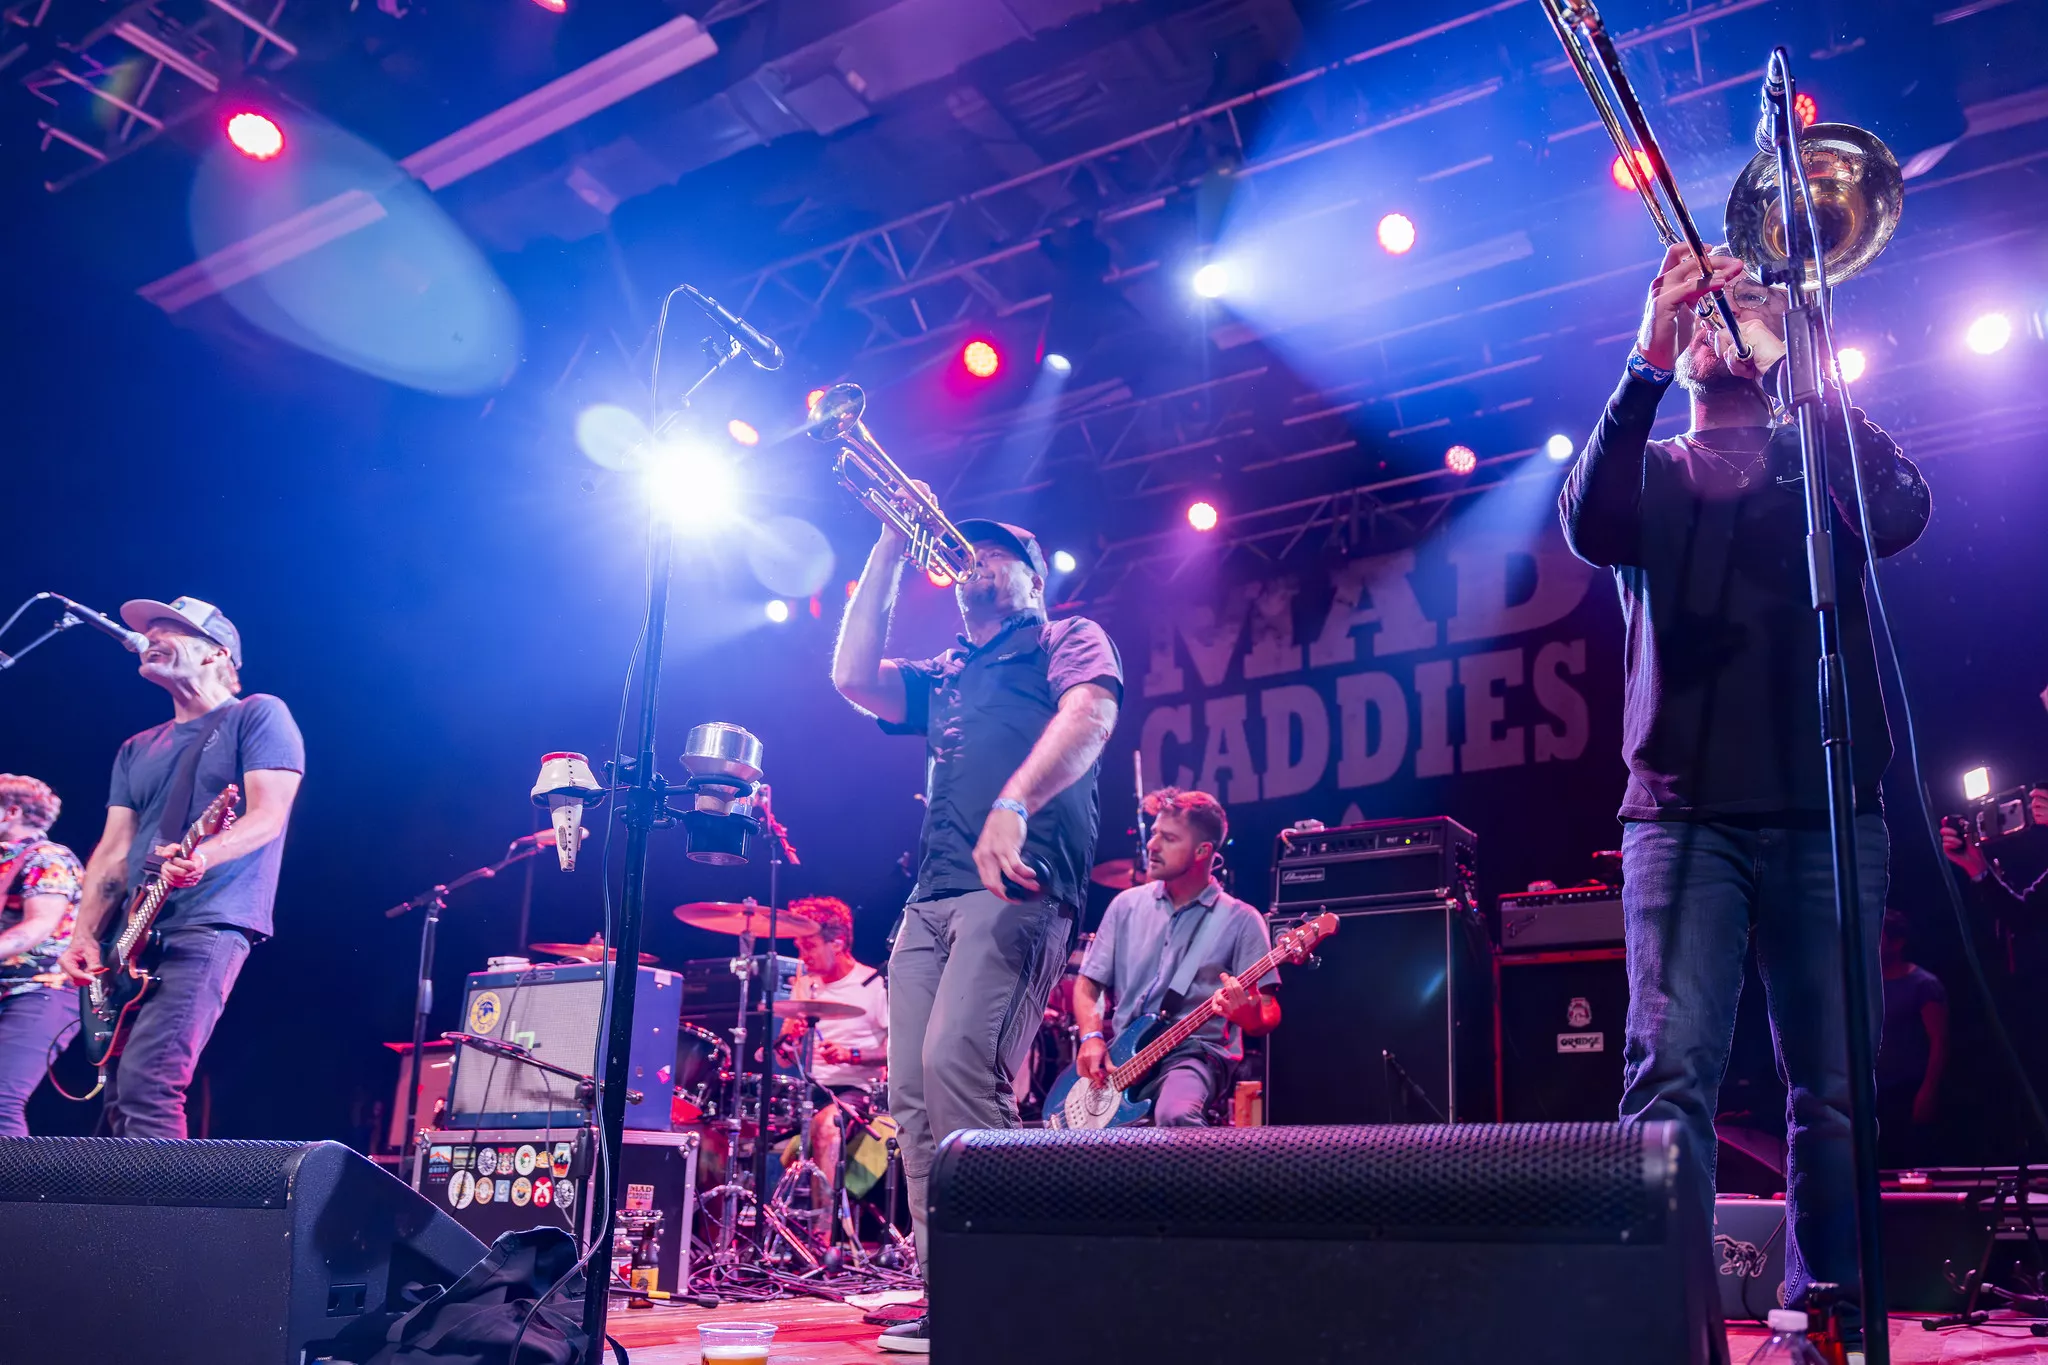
point(1743, 472)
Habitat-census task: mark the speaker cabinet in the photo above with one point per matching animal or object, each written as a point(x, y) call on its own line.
point(1462, 1243)
point(1394, 1026)
point(1560, 1023)
point(200, 1253)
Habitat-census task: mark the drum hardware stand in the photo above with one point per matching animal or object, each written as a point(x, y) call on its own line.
point(434, 900)
point(2031, 1300)
point(1399, 1075)
point(804, 1173)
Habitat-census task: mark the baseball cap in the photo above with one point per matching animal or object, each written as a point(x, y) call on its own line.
point(203, 617)
point(1012, 538)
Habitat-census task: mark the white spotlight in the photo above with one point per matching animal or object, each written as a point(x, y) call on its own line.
point(690, 485)
point(1058, 363)
point(1988, 334)
point(1559, 447)
point(1213, 280)
point(1976, 784)
point(778, 610)
point(1852, 362)
point(1062, 562)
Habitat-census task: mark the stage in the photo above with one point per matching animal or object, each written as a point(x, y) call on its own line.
point(815, 1332)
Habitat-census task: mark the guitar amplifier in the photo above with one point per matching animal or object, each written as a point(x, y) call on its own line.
point(493, 1180)
point(1377, 863)
point(1559, 1019)
point(557, 1013)
point(1579, 917)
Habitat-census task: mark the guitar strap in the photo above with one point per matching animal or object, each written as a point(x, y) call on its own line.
point(1191, 958)
point(171, 828)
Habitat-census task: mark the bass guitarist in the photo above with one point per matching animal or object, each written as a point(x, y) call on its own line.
point(223, 893)
point(1168, 946)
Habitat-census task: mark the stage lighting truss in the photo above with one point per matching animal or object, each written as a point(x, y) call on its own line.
point(109, 82)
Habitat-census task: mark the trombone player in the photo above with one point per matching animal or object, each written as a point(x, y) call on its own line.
point(1014, 717)
point(1725, 836)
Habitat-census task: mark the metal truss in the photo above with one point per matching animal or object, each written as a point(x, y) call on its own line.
point(928, 274)
point(106, 83)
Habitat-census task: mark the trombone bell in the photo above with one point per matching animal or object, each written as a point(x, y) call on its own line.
point(1858, 194)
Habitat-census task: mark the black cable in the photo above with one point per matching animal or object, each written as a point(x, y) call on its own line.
point(1928, 821)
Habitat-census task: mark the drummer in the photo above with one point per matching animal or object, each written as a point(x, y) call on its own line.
point(850, 1053)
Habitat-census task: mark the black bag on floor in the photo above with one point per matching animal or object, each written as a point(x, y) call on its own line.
point(473, 1321)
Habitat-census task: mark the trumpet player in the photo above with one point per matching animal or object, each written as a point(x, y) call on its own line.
point(1725, 836)
point(1014, 717)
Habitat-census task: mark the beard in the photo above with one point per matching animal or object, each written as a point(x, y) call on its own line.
point(978, 595)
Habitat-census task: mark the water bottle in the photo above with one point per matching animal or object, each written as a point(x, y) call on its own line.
point(1788, 1344)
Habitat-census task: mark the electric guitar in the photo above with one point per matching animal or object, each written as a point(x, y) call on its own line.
point(1073, 1102)
point(129, 954)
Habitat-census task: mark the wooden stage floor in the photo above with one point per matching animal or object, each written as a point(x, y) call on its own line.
point(814, 1332)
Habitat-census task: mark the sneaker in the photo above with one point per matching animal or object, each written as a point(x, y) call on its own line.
point(908, 1338)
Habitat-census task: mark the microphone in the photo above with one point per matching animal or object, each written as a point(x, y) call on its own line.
point(133, 641)
point(764, 353)
point(1773, 94)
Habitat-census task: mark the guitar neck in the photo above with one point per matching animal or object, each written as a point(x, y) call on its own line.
point(1133, 1071)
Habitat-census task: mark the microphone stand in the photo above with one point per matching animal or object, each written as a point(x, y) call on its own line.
point(1804, 364)
point(434, 900)
point(780, 851)
point(64, 622)
point(644, 807)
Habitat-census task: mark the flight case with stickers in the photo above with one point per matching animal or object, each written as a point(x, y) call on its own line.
point(493, 1180)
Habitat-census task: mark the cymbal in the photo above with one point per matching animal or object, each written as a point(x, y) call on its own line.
point(736, 918)
point(584, 952)
point(816, 1009)
point(1118, 874)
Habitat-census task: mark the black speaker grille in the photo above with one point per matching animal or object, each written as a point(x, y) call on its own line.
point(1588, 1182)
point(217, 1174)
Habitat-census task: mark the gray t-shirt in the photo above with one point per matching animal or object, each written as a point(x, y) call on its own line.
point(1143, 940)
point(259, 733)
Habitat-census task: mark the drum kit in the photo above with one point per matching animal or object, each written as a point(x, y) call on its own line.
point(796, 1230)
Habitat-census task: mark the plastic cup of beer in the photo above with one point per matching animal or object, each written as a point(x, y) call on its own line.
point(735, 1343)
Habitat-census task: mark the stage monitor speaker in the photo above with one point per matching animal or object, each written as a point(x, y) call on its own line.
point(1531, 1243)
point(199, 1253)
point(1412, 985)
point(1560, 1019)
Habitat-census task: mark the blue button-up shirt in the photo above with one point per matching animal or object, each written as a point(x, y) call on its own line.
point(1143, 940)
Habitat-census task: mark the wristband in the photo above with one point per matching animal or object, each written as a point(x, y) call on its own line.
point(856, 1055)
point(1648, 373)
point(1011, 803)
point(1091, 1034)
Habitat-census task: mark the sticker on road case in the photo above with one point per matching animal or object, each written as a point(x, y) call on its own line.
point(1582, 1042)
point(461, 1189)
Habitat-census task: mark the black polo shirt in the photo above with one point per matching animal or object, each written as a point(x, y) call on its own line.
point(980, 711)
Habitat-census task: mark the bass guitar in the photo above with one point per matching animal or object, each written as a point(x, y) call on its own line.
point(1073, 1102)
point(129, 953)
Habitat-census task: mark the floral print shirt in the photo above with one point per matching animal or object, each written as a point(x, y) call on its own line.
point(36, 867)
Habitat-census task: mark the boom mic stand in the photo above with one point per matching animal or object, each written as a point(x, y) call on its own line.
point(1804, 358)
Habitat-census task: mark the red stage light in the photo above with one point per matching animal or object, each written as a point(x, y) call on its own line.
point(743, 432)
point(1397, 233)
point(554, 6)
point(939, 578)
point(1202, 516)
point(811, 400)
point(1460, 460)
point(1808, 112)
point(255, 136)
point(1623, 178)
point(981, 358)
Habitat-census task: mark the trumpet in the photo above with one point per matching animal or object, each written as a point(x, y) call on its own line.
point(1853, 177)
point(877, 480)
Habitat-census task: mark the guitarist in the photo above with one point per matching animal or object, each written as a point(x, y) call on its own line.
point(222, 897)
point(39, 889)
point(1170, 944)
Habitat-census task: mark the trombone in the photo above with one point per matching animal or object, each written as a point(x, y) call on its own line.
point(1593, 56)
point(880, 484)
point(1853, 179)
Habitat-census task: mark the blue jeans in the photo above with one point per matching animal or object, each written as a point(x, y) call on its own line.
point(29, 1024)
point(1692, 896)
point(146, 1092)
point(1182, 1088)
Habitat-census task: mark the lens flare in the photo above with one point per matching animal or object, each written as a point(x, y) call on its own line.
point(1851, 361)
point(1989, 334)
